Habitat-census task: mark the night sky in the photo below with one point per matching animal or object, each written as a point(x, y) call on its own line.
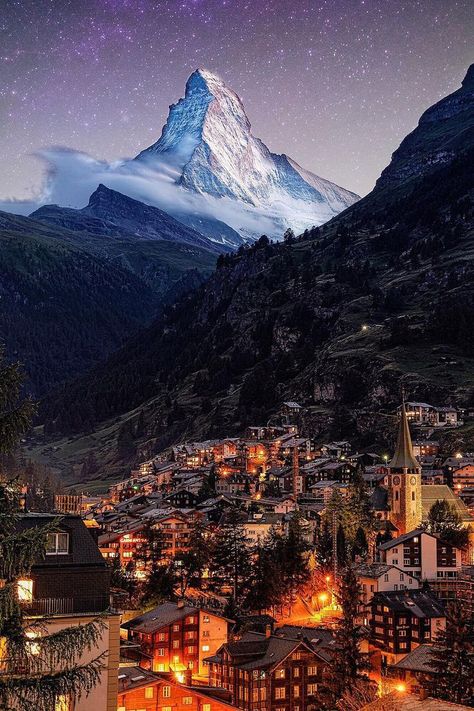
point(335, 84)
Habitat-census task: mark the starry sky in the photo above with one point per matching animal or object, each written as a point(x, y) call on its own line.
point(336, 84)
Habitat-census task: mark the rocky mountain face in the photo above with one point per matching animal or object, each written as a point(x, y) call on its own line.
point(336, 320)
point(443, 130)
point(207, 145)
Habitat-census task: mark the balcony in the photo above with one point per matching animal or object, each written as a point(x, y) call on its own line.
point(66, 605)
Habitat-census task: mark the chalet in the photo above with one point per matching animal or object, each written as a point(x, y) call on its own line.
point(415, 671)
point(183, 498)
point(68, 586)
point(463, 477)
point(146, 691)
point(177, 637)
point(265, 671)
point(258, 526)
point(401, 620)
point(235, 484)
point(425, 448)
point(380, 577)
point(422, 555)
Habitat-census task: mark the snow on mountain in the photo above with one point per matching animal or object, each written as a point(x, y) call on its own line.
point(208, 148)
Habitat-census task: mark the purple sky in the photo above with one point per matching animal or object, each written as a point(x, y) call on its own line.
point(335, 84)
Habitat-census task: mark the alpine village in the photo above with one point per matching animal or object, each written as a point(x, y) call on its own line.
point(237, 465)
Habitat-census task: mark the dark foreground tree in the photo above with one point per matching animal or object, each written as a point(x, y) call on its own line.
point(38, 670)
point(452, 657)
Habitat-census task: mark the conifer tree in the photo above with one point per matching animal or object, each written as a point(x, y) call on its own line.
point(452, 657)
point(230, 563)
point(38, 669)
point(347, 664)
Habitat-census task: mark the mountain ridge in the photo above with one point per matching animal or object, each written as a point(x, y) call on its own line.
point(335, 319)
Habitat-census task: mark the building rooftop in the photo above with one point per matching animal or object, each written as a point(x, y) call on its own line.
point(404, 457)
point(419, 660)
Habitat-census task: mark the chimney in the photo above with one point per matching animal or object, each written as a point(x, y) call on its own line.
point(268, 631)
point(180, 604)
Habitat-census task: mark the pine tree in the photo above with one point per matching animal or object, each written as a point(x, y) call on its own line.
point(324, 547)
point(193, 563)
point(265, 584)
point(452, 657)
point(347, 663)
point(444, 519)
point(38, 669)
point(230, 565)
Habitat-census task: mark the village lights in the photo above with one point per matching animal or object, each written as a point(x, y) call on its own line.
point(364, 327)
point(401, 688)
point(179, 676)
point(323, 598)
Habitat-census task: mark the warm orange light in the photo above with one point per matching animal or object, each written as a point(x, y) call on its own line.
point(401, 688)
point(179, 677)
point(322, 597)
point(328, 578)
point(25, 590)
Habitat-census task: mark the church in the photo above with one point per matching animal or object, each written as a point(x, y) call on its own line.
point(403, 500)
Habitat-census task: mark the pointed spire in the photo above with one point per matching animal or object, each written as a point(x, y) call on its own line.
point(404, 457)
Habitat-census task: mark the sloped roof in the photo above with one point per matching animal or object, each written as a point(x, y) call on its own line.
point(419, 659)
point(439, 492)
point(419, 603)
point(83, 550)
point(404, 457)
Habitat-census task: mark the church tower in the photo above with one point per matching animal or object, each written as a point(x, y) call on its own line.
point(403, 481)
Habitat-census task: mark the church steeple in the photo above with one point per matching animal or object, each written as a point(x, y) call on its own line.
point(403, 457)
point(403, 481)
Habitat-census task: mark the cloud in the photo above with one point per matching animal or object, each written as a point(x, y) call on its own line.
point(72, 176)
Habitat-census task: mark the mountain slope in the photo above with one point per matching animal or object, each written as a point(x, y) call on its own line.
point(383, 292)
point(208, 145)
point(114, 214)
point(62, 308)
point(443, 130)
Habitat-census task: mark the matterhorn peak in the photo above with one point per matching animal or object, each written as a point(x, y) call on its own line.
point(208, 143)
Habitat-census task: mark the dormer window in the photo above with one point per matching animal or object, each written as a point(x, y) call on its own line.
point(57, 543)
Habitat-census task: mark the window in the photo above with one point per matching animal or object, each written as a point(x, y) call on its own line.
point(192, 649)
point(280, 674)
point(205, 647)
point(206, 707)
point(161, 652)
point(296, 691)
point(166, 708)
point(402, 633)
point(385, 578)
point(205, 633)
point(312, 671)
point(205, 618)
point(413, 496)
point(401, 576)
point(25, 590)
point(175, 628)
point(167, 692)
point(191, 620)
point(280, 692)
point(57, 544)
point(176, 644)
point(187, 700)
point(406, 561)
point(403, 645)
point(312, 689)
point(161, 637)
point(161, 667)
point(149, 691)
point(395, 561)
point(296, 672)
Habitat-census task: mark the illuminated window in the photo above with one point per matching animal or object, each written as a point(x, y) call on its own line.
point(57, 544)
point(296, 691)
point(176, 644)
point(205, 647)
point(62, 703)
point(296, 672)
point(187, 700)
point(280, 692)
point(175, 628)
point(312, 689)
point(149, 692)
point(280, 674)
point(161, 652)
point(206, 707)
point(312, 671)
point(161, 667)
point(161, 636)
point(25, 590)
point(33, 647)
point(167, 692)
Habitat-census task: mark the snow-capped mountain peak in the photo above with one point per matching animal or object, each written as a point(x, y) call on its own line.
point(207, 141)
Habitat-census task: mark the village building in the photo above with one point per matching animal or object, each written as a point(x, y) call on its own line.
point(268, 672)
point(175, 637)
point(401, 620)
point(70, 586)
point(142, 690)
point(422, 555)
